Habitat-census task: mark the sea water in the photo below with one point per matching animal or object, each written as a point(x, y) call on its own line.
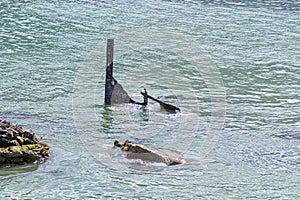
point(233, 68)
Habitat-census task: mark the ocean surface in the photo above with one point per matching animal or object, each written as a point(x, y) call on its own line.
point(233, 67)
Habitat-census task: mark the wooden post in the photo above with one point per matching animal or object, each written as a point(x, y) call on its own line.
point(109, 82)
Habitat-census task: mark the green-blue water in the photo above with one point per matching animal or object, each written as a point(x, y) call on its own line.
point(233, 68)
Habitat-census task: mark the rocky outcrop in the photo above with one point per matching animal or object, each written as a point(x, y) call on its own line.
point(19, 146)
point(136, 151)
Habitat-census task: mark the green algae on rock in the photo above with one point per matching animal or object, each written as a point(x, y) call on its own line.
point(19, 146)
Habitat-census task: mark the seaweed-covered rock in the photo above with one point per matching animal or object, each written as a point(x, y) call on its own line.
point(19, 146)
point(136, 151)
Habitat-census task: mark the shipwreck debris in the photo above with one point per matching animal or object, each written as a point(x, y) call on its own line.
point(114, 92)
point(166, 106)
point(19, 146)
point(136, 151)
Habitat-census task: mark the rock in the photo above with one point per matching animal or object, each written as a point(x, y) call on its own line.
point(20, 140)
point(14, 152)
point(18, 146)
point(29, 133)
point(136, 151)
point(4, 142)
point(2, 159)
point(28, 141)
point(13, 143)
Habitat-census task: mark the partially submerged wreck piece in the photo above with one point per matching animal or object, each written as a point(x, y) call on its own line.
point(166, 106)
point(136, 151)
point(114, 92)
point(19, 146)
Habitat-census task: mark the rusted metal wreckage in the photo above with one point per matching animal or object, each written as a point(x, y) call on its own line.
point(115, 94)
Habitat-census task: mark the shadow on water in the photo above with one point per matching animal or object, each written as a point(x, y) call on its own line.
point(288, 136)
point(107, 119)
point(107, 115)
point(15, 115)
point(18, 169)
point(25, 118)
point(144, 114)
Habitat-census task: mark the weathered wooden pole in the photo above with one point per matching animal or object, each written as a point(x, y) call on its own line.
point(109, 82)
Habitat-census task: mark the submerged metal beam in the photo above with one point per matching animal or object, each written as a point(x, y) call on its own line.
point(114, 92)
point(109, 81)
